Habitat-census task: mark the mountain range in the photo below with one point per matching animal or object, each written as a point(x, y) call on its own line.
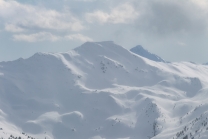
point(101, 90)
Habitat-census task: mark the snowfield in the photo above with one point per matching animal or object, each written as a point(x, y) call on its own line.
point(101, 90)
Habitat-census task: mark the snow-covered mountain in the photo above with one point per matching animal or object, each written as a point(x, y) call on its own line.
point(139, 50)
point(101, 90)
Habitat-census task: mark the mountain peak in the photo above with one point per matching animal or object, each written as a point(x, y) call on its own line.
point(103, 43)
point(139, 47)
point(95, 45)
point(139, 50)
point(100, 48)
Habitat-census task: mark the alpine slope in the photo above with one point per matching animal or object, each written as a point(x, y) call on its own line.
point(101, 90)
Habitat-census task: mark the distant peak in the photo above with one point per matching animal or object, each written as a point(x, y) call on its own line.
point(103, 48)
point(103, 43)
point(139, 50)
point(97, 46)
point(106, 42)
point(138, 47)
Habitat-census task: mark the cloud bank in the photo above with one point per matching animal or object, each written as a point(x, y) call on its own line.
point(157, 24)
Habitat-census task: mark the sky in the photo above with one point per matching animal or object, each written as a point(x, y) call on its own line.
point(176, 30)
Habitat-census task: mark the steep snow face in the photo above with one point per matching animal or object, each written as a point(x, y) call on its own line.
point(139, 50)
point(101, 90)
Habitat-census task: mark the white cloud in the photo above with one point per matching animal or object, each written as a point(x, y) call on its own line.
point(201, 3)
point(78, 37)
point(13, 28)
point(33, 17)
point(181, 43)
point(124, 13)
point(47, 36)
point(36, 37)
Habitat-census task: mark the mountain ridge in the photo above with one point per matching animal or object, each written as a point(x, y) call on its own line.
point(101, 90)
point(139, 50)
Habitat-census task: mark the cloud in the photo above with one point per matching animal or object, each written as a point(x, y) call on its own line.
point(78, 37)
point(202, 3)
point(13, 28)
point(124, 13)
point(181, 43)
point(168, 18)
point(47, 36)
point(30, 17)
point(36, 37)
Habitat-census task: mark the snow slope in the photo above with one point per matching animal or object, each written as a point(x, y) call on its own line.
point(139, 50)
point(101, 90)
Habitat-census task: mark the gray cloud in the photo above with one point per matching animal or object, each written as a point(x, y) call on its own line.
point(166, 18)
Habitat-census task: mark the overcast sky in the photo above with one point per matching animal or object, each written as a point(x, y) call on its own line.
point(176, 30)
